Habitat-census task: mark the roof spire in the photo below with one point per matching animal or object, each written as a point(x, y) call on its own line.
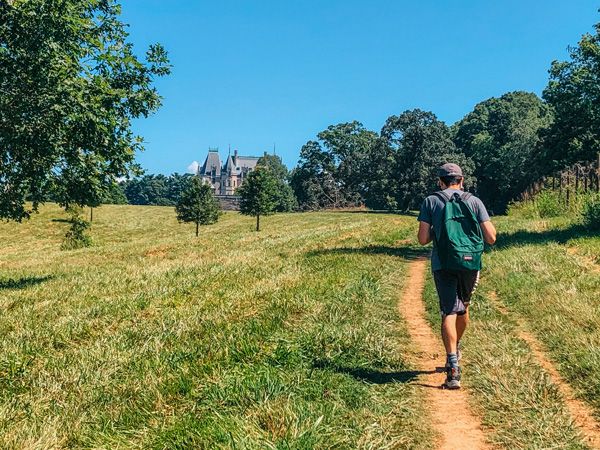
point(273, 148)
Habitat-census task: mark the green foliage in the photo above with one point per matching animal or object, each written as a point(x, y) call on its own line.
point(573, 94)
point(70, 85)
point(259, 194)
point(590, 214)
point(156, 190)
point(417, 144)
point(350, 145)
point(580, 207)
point(114, 195)
point(77, 237)
point(198, 205)
point(332, 170)
point(275, 165)
point(286, 200)
point(546, 204)
point(502, 137)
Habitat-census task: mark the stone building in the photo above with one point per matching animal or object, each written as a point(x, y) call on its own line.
point(226, 178)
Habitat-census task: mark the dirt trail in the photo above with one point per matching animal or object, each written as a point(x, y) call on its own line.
point(581, 413)
point(457, 426)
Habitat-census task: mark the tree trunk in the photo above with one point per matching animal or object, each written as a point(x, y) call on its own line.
point(91, 215)
point(197, 225)
point(257, 223)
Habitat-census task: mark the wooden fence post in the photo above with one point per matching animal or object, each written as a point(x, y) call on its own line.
point(567, 186)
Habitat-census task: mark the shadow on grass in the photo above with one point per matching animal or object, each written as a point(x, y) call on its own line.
point(62, 220)
point(408, 253)
point(376, 211)
point(559, 236)
point(22, 283)
point(377, 376)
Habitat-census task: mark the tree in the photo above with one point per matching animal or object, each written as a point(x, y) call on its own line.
point(573, 92)
point(286, 200)
point(70, 85)
point(308, 179)
point(258, 194)
point(350, 145)
point(331, 172)
point(502, 137)
point(197, 204)
point(419, 144)
point(115, 195)
point(275, 166)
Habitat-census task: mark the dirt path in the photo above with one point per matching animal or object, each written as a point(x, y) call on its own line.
point(458, 427)
point(581, 413)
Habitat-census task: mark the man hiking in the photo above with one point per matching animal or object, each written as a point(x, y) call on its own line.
point(457, 223)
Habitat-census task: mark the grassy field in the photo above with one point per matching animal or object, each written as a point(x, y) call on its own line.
point(287, 338)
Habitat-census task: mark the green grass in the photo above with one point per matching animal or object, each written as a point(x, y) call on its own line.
point(287, 338)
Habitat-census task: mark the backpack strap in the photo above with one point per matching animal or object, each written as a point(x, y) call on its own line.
point(466, 196)
point(443, 196)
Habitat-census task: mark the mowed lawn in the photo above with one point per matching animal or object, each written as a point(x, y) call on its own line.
point(153, 338)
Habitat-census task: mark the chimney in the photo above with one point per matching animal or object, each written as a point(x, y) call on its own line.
point(235, 158)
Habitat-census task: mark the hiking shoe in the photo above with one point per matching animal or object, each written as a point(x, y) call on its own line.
point(452, 378)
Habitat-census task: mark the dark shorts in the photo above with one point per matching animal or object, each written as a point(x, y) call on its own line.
point(454, 289)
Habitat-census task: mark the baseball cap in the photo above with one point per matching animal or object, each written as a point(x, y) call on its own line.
point(450, 170)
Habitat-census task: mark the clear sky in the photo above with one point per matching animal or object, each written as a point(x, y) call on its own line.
point(253, 73)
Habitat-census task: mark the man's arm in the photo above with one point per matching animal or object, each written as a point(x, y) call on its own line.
point(424, 234)
point(488, 230)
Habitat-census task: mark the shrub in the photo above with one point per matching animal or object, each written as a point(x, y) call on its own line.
point(76, 237)
point(590, 211)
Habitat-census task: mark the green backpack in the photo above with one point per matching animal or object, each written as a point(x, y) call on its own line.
point(460, 244)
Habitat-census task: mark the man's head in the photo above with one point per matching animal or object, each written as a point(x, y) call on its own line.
point(450, 175)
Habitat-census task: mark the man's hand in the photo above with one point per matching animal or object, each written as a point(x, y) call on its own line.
point(424, 236)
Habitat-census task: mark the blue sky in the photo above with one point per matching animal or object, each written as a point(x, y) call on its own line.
point(251, 74)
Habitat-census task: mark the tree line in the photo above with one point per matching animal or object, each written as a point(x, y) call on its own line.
point(71, 86)
point(503, 145)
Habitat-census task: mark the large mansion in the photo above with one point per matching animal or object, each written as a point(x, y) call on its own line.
point(226, 178)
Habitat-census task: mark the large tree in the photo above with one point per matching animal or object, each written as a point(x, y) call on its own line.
point(573, 92)
point(417, 145)
point(502, 137)
point(350, 145)
point(70, 85)
point(331, 171)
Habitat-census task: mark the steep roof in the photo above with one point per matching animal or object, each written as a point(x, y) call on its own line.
point(212, 160)
point(229, 167)
point(247, 161)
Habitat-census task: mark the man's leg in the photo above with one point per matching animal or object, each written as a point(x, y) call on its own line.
point(449, 332)
point(461, 324)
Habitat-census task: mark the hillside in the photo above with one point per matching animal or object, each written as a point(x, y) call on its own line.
point(287, 338)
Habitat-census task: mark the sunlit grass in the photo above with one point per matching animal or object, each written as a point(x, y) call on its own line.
point(153, 338)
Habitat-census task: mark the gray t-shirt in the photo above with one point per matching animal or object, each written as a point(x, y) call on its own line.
point(432, 212)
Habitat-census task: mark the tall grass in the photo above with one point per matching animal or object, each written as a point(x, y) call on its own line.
point(288, 338)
